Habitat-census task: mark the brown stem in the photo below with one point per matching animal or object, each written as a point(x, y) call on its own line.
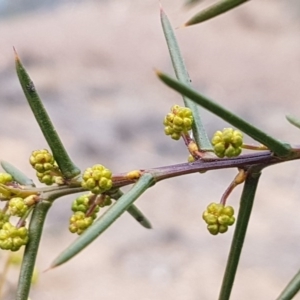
point(254, 147)
point(239, 178)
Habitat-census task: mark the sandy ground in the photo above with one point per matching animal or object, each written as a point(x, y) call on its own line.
point(92, 64)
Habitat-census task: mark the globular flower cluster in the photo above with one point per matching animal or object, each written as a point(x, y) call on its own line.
point(80, 221)
point(17, 207)
point(227, 143)
point(179, 121)
point(97, 179)
point(47, 170)
point(81, 203)
point(218, 217)
point(12, 238)
point(5, 178)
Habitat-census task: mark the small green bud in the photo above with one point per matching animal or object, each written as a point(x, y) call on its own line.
point(223, 219)
point(168, 130)
point(228, 210)
point(107, 202)
point(45, 178)
point(213, 229)
point(178, 121)
point(191, 158)
point(209, 218)
point(231, 221)
point(230, 151)
point(219, 150)
point(175, 136)
point(223, 228)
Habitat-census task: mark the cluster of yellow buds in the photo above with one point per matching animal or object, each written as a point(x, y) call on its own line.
point(227, 143)
point(178, 121)
point(97, 179)
point(218, 217)
point(17, 207)
point(80, 220)
point(12, 238)
point(47, 170)
point(5, 178)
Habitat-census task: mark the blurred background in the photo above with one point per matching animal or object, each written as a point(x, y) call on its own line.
point(92, 63)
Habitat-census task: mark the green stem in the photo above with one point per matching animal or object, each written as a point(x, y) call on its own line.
point(199, 133)
point(105, 220)
point(213, 11)
point(134, 211)
point(246, 204)
point(291, 289)
point(31, 250)
point(276, 146)
point(60, 154)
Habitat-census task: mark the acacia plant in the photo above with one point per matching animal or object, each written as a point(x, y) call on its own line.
point(26, 204)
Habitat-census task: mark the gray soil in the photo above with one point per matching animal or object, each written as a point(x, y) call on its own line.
point(92, 63)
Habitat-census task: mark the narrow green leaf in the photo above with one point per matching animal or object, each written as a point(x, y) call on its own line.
point(293, 120)
point(246, 203)
point(139, 216)
point(60, 154)
point(133, 211)
point(291, 289)
point(276, 146)
point(18, 176)
point(192, 2)
point(213, 11)
point(31, 250)
point(182, 75)
point(105, 220)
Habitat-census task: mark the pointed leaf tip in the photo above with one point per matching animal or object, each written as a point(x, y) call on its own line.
point(158, 72)
point(214, 10)
point(16, 54)
point(102, 223)
point(293, 120)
